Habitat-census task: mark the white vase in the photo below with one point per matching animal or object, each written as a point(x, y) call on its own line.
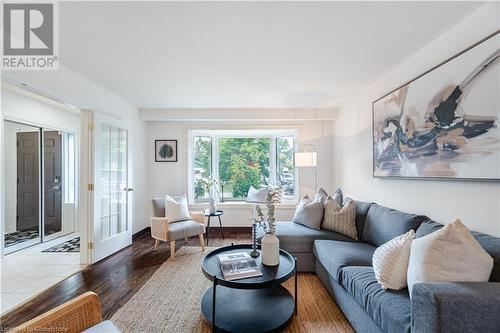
point(212, 208)
point(270, 250)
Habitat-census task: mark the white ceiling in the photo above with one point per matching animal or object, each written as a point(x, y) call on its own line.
point(245, 55)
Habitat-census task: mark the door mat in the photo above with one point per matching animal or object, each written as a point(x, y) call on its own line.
point(72, 245)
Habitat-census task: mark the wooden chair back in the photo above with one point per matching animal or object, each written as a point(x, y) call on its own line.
point(74, 316)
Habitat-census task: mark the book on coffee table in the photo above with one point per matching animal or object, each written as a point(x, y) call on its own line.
point(238, 265)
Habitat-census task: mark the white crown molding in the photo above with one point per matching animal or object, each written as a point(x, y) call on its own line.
point(239, 115)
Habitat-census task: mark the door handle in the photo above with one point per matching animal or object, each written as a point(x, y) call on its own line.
point(128, 189)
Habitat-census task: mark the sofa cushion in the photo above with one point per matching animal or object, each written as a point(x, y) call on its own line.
point(183, 229)
point(383, 224)
point(335, 255)
point(361, 212)
point(427, 227)
point(489, 243)
point(390, 309)
point(296, 238)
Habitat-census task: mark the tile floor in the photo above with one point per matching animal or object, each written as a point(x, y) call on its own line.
point(28, 272)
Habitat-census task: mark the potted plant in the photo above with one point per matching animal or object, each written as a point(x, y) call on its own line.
point(211, 186)
point(270, 243)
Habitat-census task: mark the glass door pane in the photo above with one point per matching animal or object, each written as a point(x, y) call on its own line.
point(113, 180)
point(105, 179)
point(22, 184)
point(285, 175)
point(122, 179)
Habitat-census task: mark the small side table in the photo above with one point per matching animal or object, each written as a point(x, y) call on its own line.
point(218, 213)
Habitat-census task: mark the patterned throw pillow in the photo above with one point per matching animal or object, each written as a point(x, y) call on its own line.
point(390, 261)
point(340, 219)
point(309, 213)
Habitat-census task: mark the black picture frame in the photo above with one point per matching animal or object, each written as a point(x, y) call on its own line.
point(422, 177)
point(166, 151)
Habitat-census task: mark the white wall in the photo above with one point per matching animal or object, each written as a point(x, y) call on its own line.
point(10, 177)
point(24, 107)
point(172, 177)
point(69, 86)
point(476, 203)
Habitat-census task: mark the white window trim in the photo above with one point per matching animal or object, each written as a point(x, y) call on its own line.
point(272, 134)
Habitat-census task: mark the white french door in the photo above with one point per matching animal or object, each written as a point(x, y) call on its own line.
point(111, 195)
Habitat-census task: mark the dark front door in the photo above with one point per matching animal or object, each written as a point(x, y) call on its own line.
point(28, 199)
point(53, 181)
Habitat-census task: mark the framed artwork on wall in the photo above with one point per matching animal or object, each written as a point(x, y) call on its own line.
point(444, 124)
point(165, 150)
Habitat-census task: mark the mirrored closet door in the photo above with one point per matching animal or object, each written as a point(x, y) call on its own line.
point(40, 185)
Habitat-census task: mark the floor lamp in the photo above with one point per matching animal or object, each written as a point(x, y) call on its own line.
point(307, 159)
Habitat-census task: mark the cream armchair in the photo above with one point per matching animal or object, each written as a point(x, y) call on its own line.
point(162, 230)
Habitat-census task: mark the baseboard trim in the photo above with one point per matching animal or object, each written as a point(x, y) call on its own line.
point(141, 232)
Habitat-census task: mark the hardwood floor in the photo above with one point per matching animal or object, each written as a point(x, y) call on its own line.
point(116, 278)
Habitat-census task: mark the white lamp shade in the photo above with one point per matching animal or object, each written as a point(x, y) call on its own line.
point(306, 159)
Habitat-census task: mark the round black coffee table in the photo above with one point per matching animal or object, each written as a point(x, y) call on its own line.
point(257, 304)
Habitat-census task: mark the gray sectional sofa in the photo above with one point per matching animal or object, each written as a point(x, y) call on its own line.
point(344, 265)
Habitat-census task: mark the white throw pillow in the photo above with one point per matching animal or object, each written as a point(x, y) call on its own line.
point(450, 254)
point(255, 195)
point(177, 209)
point(390, 261)
point(340, 219)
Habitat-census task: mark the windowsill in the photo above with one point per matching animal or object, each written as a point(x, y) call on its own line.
point(234, 205)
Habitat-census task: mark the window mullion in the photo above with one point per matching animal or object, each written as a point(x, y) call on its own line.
point(215, 161)
point(272, 160)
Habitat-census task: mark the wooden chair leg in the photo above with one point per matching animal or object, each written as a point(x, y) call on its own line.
point(172, 249)
point(157, 241)
point(202, 242)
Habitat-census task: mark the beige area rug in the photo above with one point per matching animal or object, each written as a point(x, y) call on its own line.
point(170, 301)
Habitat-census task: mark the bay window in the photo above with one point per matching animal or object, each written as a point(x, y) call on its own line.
point(227, 162)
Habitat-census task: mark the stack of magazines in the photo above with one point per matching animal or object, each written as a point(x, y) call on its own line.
point(239, 265)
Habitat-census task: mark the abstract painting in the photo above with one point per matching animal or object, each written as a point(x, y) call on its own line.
point(166, 150)
point(445, 123)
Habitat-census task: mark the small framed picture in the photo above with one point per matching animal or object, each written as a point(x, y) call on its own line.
point(165, 150)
